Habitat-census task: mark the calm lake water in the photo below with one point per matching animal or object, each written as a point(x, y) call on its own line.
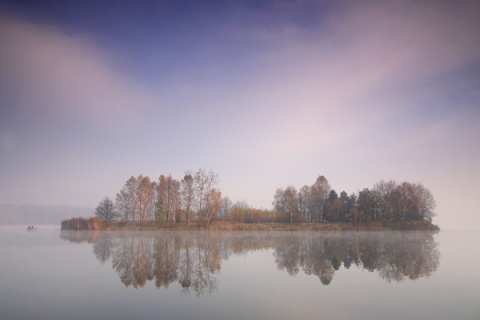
point(53, 274)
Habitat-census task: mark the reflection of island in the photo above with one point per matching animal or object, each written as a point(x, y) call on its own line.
point(194, 259)
point(394, 255)
point(80, 236)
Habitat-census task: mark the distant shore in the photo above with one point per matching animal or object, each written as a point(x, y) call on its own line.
point(231, 226)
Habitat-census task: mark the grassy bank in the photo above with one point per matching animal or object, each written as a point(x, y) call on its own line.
point(230, 226)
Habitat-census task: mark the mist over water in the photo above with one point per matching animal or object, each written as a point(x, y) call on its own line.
point(50, 273)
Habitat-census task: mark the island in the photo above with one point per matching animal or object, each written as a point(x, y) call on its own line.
point(195, 202)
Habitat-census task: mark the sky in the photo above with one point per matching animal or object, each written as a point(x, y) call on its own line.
point(266, 93)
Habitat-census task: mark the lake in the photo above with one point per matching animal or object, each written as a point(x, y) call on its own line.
point(54, 274)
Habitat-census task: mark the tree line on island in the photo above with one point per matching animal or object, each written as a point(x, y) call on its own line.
point(197, 199)
point(387, 201)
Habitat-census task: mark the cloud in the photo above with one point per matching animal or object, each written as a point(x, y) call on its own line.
point(45, 68)
point(367, 64)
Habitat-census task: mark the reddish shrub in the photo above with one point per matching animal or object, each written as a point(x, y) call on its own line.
point(81, 224)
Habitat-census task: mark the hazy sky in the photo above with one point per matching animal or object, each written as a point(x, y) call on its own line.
point(266, 93)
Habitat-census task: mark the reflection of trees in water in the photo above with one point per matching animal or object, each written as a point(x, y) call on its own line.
point(165, 264)
point(413, 257)
point(103, 248)
point(395, 255)
point(132, 259)
point(288, 255)
point(194, 259)
point(80, 235)
point(202, 262)
point(316, 261)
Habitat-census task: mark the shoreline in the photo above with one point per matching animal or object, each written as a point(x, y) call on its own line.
point(273, 226)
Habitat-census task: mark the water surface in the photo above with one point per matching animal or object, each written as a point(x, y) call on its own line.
point(49, 274)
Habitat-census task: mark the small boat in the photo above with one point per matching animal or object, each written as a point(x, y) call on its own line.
point(31, 228)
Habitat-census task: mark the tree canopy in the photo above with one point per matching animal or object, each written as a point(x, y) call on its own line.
point(197, 198)
point(386, 201)
point(106, 211)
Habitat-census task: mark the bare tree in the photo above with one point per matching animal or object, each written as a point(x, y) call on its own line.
point(285, 201)
point(206, 193)
point(168, 197)
point(425, 202)
point(161, 210)
point(304, 199)
point(126, 200)
point(384, 191)
point(291, 203)
point(405, 201)
point(225, 209)
point(188, 195)
point(175, 201)
point(145, 198)
point(106, 211)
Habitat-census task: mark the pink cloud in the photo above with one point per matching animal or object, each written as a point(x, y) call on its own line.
point(356, 67)
point(64, 74)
